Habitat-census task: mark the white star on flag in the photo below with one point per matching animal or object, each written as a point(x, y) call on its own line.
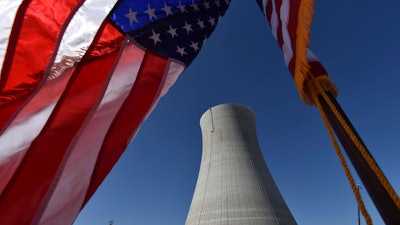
point(212, 21)
point(195, 6)
point(181, 7)
point(167, 9)
point(172, 31)
point(200, 23)
point(180, 50)
point(150, 12)
point(155, 37)
point(188, 27)
point(206, 4)
point(195, 46)
point(131, 15)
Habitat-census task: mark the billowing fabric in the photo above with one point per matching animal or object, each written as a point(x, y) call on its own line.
point(77, 80)
point(283, 18)
point(290, 22)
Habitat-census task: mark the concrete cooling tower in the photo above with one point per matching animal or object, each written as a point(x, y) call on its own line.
point(234, 186)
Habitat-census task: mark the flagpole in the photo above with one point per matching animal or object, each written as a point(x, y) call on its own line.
point(384, 203)
point(358, 207)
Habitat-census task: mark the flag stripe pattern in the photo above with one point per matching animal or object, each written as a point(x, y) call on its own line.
point(29, 121)
point(76, 102)
point(285, 21)
point(8, 10)
point(80, 165)
point(20, 75)
point(130, 115)
point(282, 16)
point(115, 71)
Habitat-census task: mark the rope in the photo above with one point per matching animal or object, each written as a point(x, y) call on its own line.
point(340, 155)
point(367, 157)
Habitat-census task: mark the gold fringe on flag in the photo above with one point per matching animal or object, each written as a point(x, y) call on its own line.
point(302, 68)
point(324, 84)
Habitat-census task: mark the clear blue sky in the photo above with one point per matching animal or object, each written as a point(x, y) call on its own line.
point(358, 43)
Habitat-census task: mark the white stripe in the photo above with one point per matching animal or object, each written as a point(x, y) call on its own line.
point(264, 3)
point(311, 57)
point(17, 138)
point(70, 191)
point(287, 45)
point(8, 10)
point(174, 70)
point(274, 20)
point(82, 29)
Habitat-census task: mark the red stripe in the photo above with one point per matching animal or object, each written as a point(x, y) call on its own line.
point(292, 29)
point(65, 203)
point(268, 11)
point(292, 65)
point(7, 112)
point(317, 69)
point(129, 118)
point(293, 22)
point(27, 121)
point(13, 41)
point(25, 61)
point(278, 4)
point(36, 172)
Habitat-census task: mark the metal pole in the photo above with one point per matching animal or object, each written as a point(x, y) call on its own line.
point(381, 198)
point(358, 208)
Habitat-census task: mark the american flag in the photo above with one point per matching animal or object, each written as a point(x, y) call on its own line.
point(77, 80)
point(177, 38)
point(290, 21)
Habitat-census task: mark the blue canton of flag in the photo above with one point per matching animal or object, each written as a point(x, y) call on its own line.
point(170, 28)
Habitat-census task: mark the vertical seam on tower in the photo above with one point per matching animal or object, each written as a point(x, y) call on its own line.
point(212, 121)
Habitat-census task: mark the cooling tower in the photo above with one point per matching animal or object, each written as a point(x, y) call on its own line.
point(234, 186)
